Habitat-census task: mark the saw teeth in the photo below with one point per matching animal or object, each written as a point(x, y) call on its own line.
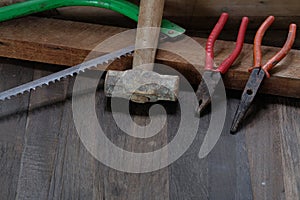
point(84, 66)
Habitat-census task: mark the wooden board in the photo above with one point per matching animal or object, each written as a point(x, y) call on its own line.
point(13, 117)
point(42, 156)
point(68, 43)
point(194, 15)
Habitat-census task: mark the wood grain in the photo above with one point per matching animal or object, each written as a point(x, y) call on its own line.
point(40, 142)
point(25, 39)
point(197, 14)
point(146, 36)
point(264, 149)
point(290, 137)
point(47, 159)
point(13, 121)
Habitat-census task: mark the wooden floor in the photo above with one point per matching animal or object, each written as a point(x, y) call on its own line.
point(42, 157)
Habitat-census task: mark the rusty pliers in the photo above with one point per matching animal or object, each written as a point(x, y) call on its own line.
point(212, 76)
point(259, 72)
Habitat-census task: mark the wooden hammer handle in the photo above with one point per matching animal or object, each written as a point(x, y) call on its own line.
point(151, 12)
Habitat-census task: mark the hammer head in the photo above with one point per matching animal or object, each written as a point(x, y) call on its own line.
point(141, 86)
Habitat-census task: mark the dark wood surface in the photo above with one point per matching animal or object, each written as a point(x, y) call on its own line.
point(42, 157)
point(45, 40)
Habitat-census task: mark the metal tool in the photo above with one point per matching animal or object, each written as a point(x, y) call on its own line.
point(170, 31)
point(141, 84)
point(121, 6)
point(259, 72)
point(212, 76)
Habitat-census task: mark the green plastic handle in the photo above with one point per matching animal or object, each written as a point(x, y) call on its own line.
point(121, 6)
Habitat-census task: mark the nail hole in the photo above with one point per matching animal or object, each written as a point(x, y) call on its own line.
point(249, 92)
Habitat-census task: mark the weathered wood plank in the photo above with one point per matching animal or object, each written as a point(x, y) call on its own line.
point(224, 173)
point(193, 15)
point(189, 175)
point(50, 44)
point(13, 117)
point(263, 132)
point(229, 167)
point(290, 146)
point(77, 174)
point(68, 171)
point(41, 139)
point(120, 185)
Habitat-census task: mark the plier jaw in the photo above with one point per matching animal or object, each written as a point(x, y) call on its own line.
point(259, 72)
point(255, 80)
point(207, 87)
point(210, 80)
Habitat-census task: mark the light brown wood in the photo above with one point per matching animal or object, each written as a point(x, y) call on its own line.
point(68, 43)
point(147, 34)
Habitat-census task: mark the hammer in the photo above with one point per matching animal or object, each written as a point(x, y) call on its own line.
point(141, 84)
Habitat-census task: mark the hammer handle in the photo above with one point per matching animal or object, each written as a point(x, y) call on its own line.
point(149, 22)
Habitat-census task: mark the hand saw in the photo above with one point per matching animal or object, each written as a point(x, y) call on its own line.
point(169, 31)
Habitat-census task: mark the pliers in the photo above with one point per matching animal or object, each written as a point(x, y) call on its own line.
point(212, 76)
point(259, 72)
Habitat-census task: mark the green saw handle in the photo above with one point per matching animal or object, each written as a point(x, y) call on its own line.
point(121, 6)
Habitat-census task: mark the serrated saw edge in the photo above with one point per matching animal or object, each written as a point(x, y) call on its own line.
point(27, 87)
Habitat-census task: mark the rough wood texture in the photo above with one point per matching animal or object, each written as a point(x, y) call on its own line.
point(13, 124)
point(40, 144)
point(198, 14)
point(147, 35)
point(44, 40)
point(42, 157)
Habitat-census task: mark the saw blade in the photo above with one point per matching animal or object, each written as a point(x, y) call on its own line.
point(105, 59)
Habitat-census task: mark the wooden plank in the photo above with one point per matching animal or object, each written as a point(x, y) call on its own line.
point(193, 15)
point(190, 10)
point(262, 131)
point(290, 146)
point(189, 175)
point(236, 7)
point(223, 174)
point(120, 185)
point(76, 174)
point(44, 40)
point(41, 139)
point(268, 137)
point(229, 167)
point(13, 117)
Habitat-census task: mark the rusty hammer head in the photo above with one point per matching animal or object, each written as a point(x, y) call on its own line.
point(141, 86)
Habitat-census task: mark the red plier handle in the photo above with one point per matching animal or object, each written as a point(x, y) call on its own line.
point(209, 64)
point(257, 54)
